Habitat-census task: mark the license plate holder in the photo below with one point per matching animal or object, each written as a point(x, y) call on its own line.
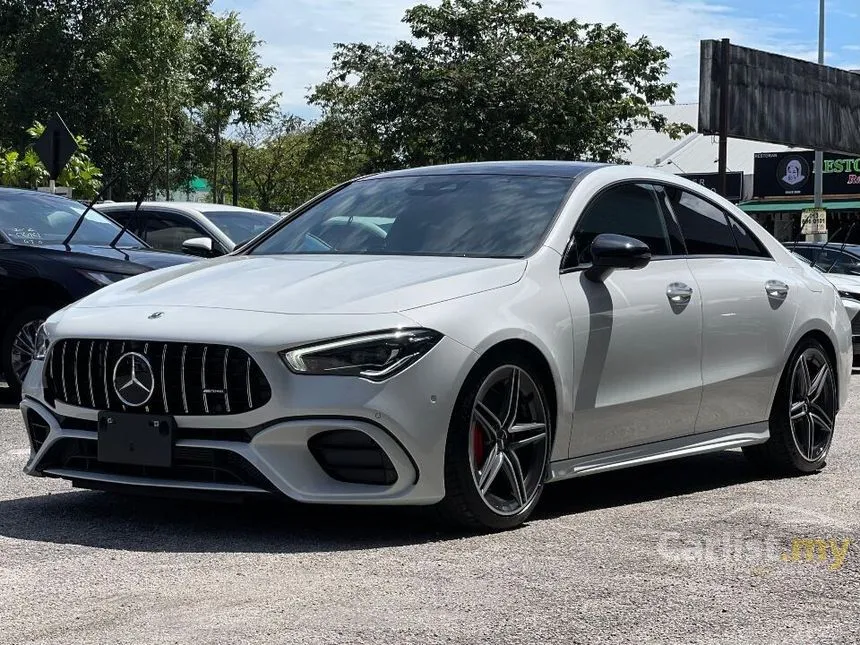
point(135, 439)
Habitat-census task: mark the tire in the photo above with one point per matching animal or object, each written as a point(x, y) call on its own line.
point(27, 318)
point(486, 442)
point(809, 396)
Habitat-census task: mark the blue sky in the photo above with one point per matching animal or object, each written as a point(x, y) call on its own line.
point(299, 34)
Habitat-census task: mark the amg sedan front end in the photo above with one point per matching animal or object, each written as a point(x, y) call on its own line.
point(457, 335)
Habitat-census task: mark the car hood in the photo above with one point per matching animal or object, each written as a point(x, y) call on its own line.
point(844, 282)
point(108, 258)
point(312, 284)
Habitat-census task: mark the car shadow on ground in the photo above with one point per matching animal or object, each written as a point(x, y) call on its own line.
point(133, 523)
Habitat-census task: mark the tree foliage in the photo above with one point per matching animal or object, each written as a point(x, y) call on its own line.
point(489, 80)
point(25, 170)
point(228, 83)
point(126, 75)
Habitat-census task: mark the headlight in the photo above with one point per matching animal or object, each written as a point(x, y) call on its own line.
point(375, 356)
point(42, 344)
point(101, 277)
point(849, 294)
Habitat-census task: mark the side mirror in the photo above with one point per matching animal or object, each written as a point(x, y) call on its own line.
point(610, 252)
point(199, 246)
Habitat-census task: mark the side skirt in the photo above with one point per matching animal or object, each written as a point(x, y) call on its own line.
point(695, 444)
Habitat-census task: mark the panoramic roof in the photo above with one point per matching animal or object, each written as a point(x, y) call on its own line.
point(568, 169)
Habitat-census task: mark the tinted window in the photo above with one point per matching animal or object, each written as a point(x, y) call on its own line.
point(629, 210)
point(805, 251)
point(834, 261)
point(167, 232)
point(747, 244)
point(239, 226)
point(37, 219)
point(460, 215)
point(706, 231)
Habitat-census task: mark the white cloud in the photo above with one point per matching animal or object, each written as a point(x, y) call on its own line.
point(300, 34)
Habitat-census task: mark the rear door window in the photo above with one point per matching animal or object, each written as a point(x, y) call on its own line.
point(705, 227)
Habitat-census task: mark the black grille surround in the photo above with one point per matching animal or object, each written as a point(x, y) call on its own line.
point(352, 457)
point(855, 325)
point(190, 379)
point(198, 465)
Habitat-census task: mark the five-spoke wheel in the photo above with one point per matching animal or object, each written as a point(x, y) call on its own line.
point(498, 446)
point(803, 414)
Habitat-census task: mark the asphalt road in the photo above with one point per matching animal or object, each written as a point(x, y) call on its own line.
point(684, 552)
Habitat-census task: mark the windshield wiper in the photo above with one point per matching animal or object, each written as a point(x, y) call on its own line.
point(140, 198)
point(97, 199)
point(841, 248)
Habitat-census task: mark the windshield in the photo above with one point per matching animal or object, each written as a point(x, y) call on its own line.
point(38, 219)
point(240, 226)
point(456, 215)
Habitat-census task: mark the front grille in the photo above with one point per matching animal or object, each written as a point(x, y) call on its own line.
point(855, 325)
point(201, 465)
point(353, 457)
point(189, 378)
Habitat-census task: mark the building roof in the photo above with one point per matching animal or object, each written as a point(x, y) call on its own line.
point(694, 153)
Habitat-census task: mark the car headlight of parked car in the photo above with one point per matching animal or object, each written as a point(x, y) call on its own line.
point(102, 278)
point(42, 343)
point(849, 294)
point(376, 356)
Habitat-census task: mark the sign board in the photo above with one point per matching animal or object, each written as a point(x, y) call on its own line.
point(711, 180)
point(56, 146)
point(780, 99)
point(790, 174)
point(814, 221)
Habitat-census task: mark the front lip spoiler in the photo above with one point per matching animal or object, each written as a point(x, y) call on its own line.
point(128, 480)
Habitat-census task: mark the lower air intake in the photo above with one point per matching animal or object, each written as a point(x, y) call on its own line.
point(353, 457)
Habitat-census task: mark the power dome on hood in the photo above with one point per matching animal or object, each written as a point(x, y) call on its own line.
point(313, 284)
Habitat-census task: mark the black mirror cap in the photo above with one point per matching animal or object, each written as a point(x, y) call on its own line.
point(610, 251)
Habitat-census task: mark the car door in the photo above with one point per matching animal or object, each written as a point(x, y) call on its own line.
point(748, 305)
point(637, 361)
point(166, 231)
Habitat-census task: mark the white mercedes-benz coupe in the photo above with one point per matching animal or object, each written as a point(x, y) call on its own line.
point(454, 336)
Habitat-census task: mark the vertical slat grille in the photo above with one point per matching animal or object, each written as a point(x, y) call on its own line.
point(190, 379)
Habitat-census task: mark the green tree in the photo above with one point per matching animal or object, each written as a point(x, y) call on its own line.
point(146, 73)
point(26, 171)
point(286, 161)
point(229, 85)
point(489, 80)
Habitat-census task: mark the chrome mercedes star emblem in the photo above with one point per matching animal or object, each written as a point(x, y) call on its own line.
point(157, 314)
point(133, 379)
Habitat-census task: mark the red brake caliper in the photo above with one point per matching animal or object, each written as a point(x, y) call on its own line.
point(478, 445)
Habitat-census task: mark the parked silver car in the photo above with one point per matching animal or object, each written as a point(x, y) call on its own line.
point(475, 331)
point(196, 228)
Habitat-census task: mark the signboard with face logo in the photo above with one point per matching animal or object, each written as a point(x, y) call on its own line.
point(790, 174)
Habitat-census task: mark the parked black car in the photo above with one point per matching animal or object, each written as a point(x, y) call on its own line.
point(45, 264)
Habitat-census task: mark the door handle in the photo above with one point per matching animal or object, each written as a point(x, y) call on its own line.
point(776, 289)
point(679, 293)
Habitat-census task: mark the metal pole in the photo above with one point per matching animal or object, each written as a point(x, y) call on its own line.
point(724, 116)
point(235, 152)
point(819, 155)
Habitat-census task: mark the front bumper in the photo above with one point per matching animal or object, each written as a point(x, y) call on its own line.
point(269, 450)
